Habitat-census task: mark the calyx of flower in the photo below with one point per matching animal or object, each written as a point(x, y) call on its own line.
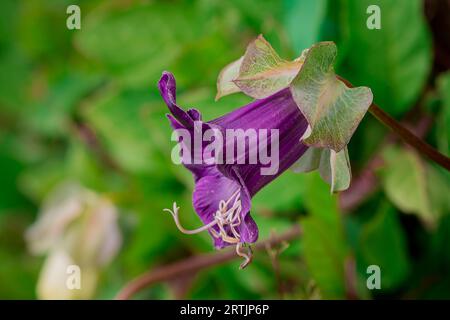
point(333, 111)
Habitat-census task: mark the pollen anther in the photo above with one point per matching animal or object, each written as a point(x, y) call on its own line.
point(223, 218)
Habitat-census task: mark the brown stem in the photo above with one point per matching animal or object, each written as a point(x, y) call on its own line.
point(194, 264)
point(89, 138)
point(410, 138)
point(406, 135)
point(274, 254)
point(351, 290)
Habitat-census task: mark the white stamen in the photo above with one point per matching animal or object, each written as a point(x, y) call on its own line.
point(247, 256)
point(174, 214)
point(222, 217)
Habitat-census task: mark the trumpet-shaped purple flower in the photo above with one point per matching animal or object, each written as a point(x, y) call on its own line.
point(223, 192)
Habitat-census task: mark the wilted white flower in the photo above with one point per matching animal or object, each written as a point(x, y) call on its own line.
point(75, 227)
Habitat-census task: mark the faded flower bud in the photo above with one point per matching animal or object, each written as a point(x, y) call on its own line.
point(77, 230)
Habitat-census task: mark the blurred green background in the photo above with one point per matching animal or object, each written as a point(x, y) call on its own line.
point(82, 107)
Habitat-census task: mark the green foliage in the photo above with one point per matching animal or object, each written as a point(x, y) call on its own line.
point(394, 61)
point(10, 169)
point(259, 73)
point(51, 115)
point(123, 121)
point(311, 14)
point(324, 244)
point(125, 41)
point(14, 75)
point(382, 242)
point(414, 186)
point(82, 106)
point(283, 195)
point(443, 121)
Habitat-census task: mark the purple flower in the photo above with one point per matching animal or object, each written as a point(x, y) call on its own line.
point(223, 192)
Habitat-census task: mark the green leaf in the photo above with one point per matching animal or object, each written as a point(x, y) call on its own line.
point(284, 194)
point(309, 161)
point(325, 254)
point(10, 168)
point(135, 42)
point(38, 180)
point(318, 200)
point(218, 45)
point(131, 125)
point(40, 33)
point(337, 171)
point(18, 270)
point(225, 84)
point(83, 167)
point(303, 22)
point(443, 120)
point(333, 111)
point(324, 244)
point(15, 74)
point(51, 115)
point(415, 187)
point(382, 242)
point(77, 163)
point(8, 13)
point(394, 61)
point(334, 167)
point(261, 72)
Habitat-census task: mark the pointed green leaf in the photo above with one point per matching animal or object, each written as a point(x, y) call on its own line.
point(261, 72)
point(334, 167)
point(225, 84)
point(415, 187)
point(333, 111)
point(309, 161)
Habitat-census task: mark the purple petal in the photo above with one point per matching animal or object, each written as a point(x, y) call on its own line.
point(278, 111)
point(167, 88)
point(209, 191)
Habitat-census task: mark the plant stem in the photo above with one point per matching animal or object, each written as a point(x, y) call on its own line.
point(406, 135)
point(194, 264)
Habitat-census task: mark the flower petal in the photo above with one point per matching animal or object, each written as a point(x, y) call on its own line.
point(167, 88)
point(209, 191)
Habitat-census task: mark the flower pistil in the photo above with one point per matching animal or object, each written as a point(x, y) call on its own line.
point(226, 220)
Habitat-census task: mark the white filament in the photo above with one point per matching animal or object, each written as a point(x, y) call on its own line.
point(222, 217)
